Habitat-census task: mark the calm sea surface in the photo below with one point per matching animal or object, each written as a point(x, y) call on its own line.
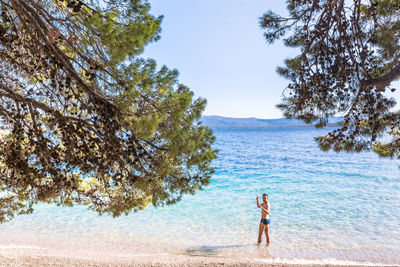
point(325, 206)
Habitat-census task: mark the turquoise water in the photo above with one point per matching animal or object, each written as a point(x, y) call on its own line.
point(324, 205)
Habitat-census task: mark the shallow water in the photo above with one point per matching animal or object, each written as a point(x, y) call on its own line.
point(326, 206)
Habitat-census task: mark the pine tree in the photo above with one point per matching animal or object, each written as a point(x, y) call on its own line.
point(84, 119)
point(349, 56)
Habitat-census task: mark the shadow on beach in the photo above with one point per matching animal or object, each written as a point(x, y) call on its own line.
point(214, 250)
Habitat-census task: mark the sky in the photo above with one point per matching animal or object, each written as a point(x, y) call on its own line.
point(220, 52)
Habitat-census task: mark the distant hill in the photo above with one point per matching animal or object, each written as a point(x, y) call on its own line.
point(219, 122)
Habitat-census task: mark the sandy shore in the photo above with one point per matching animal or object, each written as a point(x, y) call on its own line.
point(56, 251)
point(13, 255)
point(18, 255)
point(24, 257)
point(139, 261)
point(155, 260)
point(51, 251)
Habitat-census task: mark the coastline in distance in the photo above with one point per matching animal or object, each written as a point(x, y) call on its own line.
point(220, 122)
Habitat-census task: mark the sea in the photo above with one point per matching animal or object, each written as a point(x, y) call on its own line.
point(326, 207)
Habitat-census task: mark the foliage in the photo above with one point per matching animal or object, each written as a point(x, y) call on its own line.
point(349, 55)
point(84, 119)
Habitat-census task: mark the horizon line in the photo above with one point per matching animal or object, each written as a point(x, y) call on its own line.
point(243, 117)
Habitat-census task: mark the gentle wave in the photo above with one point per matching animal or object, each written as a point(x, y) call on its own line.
point(299, 261)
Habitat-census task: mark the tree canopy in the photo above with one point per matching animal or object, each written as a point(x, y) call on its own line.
point(349, 56)
point(84, 119)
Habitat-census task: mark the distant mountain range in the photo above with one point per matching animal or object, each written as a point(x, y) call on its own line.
point(219, 122)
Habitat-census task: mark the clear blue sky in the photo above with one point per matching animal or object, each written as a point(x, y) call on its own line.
point(220, 52)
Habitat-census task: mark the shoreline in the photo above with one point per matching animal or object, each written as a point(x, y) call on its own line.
point(14, 258)
point(59, 252)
